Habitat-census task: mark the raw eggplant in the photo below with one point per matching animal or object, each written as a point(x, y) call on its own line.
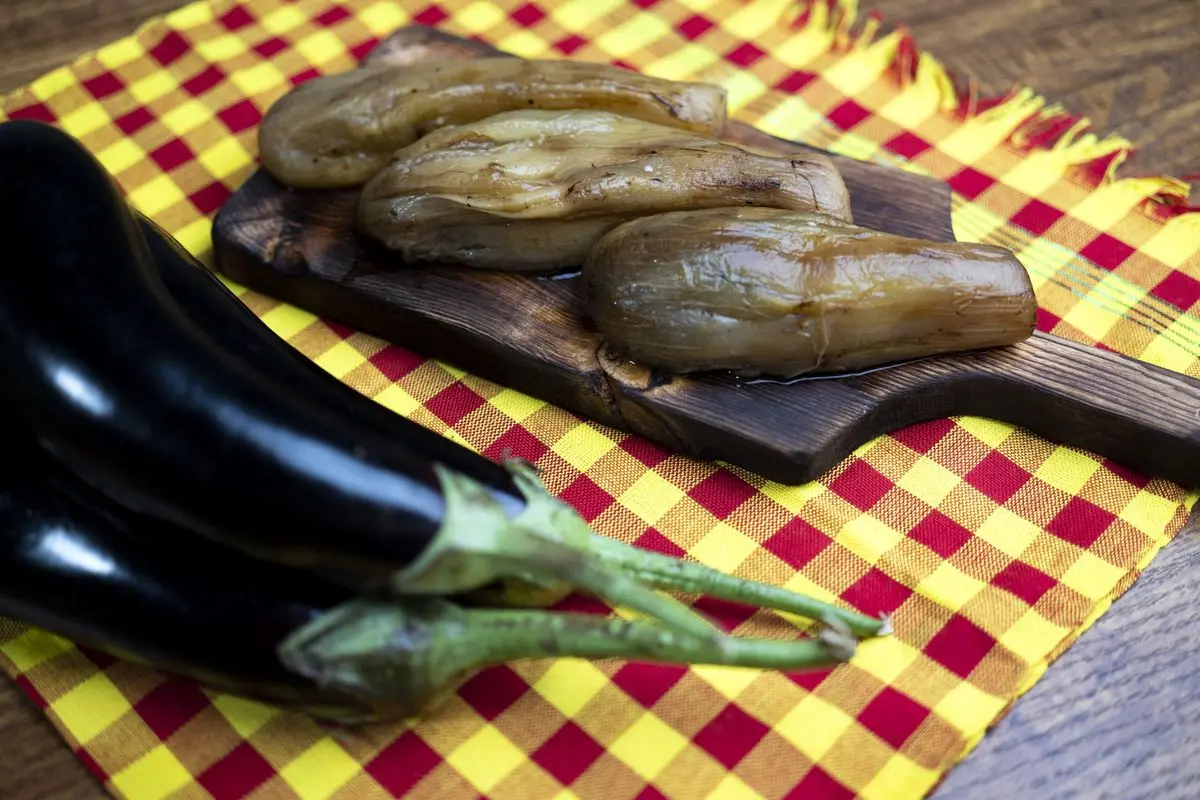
point(76, 565)
point(237, 330)
point(119, 384)
point(73, 565)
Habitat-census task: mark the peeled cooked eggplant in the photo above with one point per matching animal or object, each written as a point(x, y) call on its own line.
point(338, 130)
point(534, 190)
point(767, 292)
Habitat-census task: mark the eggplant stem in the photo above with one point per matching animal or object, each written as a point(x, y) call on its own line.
point(555, 563)
point(665, 572)
point(408, 651)
point(548, 546)
point(504, 635)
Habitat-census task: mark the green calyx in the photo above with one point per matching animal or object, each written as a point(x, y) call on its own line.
point(548, 550)
point(478, 545)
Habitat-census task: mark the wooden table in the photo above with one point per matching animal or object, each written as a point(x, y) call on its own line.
point(1119, 714)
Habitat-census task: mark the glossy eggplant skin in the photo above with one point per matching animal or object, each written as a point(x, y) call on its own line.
point(239, 332)
point(98, 361)
point(76, 565)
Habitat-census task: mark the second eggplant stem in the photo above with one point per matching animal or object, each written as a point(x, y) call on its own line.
point(507, 635)
point(664, 572)
point(409, 651)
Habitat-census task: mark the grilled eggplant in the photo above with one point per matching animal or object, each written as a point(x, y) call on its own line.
point(534, 190)
point(98, 358)
point(780, 293)
point(338, 130)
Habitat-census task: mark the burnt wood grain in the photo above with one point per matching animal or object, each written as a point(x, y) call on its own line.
point(532, 334)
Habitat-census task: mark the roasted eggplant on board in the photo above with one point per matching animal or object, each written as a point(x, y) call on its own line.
point(699, 255)
point(535, 190)
point(763, 291)
point(156, 429)
point(339, 130)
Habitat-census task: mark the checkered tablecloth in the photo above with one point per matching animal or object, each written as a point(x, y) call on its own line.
point(993, 549)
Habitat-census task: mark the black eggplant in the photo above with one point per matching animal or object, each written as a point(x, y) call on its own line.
point(116, 381)
point(170, 419)
point(228, 322)
point(75, 564)
point(234, 328)
point(239, 332)
point(72, 564)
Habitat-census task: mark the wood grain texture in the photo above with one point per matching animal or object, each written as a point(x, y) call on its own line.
point(1088, 729)
point(41, 35)
point(34, 763)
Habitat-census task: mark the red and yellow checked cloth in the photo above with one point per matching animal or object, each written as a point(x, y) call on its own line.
point(993, 549)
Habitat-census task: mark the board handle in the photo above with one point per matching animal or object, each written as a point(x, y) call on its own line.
point(1138, 415)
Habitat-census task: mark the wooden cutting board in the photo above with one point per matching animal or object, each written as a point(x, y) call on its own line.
point(531, 334)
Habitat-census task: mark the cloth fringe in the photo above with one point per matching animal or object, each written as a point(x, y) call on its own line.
point(1020, 118)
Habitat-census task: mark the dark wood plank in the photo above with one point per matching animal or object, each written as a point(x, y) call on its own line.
point(1145, 419)
point(41, 35)
point(1153, 102)
point(34, 762)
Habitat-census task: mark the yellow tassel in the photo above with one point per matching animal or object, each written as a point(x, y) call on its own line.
point(1182, 233)
point(933, 77)
point(813, 39)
